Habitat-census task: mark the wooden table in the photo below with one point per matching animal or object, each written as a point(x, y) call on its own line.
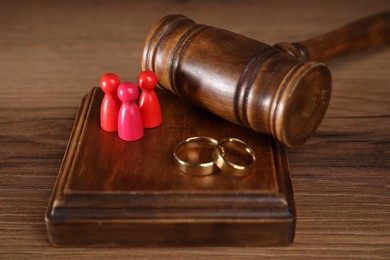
point(52, 53)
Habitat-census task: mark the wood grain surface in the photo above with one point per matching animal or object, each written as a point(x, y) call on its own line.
point(114, 193)
point(242, 80)
point(52, 52)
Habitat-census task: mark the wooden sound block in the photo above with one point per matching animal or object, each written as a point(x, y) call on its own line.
point(115, 193)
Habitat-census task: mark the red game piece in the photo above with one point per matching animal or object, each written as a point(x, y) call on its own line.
point(130, 126)
point(110, 106)
point(148, 103)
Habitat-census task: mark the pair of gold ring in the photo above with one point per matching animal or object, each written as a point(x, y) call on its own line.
point(202, 155)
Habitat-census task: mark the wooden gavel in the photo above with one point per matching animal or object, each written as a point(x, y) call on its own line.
point(277, 90)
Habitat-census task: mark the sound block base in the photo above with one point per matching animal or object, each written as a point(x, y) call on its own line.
point(115, 193)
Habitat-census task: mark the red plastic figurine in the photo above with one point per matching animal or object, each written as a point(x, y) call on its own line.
point(130, 126)
point(110, 106)
point(148, 102)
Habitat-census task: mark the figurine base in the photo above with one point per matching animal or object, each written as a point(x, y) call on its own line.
point(115, 193)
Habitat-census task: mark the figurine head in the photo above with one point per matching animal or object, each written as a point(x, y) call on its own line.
point(127, 92)
point(147, 80)
point(109, 83)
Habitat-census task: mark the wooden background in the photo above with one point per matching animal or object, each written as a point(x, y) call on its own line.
point(52, 52)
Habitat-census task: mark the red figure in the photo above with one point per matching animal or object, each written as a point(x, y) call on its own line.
point(130, 126)
point(109, 108)
point(148, 102)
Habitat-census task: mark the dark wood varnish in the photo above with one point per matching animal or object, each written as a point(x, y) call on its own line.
point(115, 193)
point(242, 80)
point(367, 33)
point(278, 90)
point(49, 61)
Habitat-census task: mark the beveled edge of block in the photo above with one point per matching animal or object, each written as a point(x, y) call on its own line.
point(59, 211)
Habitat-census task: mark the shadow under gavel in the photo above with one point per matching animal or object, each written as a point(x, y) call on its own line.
point(278, 90)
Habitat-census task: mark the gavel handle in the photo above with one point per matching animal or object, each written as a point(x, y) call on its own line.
point(364, 34)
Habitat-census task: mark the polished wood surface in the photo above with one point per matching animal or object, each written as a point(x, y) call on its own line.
point(364, 34)
point(52, 53)
point(242, 80)
point(115, 193)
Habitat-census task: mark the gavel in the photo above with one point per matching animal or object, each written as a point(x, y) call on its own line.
point(281, 90)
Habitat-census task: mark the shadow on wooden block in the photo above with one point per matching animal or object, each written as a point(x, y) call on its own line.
point(115, 193)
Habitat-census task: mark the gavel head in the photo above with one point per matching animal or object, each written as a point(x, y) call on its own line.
point(240, 79)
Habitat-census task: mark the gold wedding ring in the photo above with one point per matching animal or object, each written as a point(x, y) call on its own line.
point(196, 156)
point(234, 156)
point(202, 155)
